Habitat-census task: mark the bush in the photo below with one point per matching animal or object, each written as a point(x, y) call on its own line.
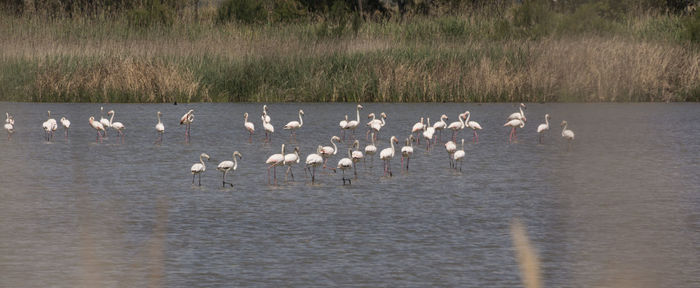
point(587, 18)
point(691, 28)
point(288, 11)
point(245, 11)
point(533, 17)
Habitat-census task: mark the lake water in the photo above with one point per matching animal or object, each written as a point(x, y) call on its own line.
point(621, 209)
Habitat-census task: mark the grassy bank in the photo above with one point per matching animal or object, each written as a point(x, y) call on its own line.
point(447, 58)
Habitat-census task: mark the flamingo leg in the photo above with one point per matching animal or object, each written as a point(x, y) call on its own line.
point(275, 172)
point(388, 161)
point(200, 178)
point(407, 160)
point(291, 172)
point(475, 137)
point(192, 178)
point(313, 174)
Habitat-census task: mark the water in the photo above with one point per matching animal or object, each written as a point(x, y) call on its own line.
point(621, 209)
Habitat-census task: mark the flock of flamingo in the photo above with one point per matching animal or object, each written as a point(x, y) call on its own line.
point(323, 153)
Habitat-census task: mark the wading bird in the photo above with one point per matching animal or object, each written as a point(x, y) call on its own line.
point(199, 168)
point(116, 125)
point(343, 126)
point(329, 151)
point(352, 124)
point(370, 150)
point(49, 126)
point(289, 160)
point(104, 121)
point(407, 151)
point(566, 133)
point(9, 125)
point(312, 161)
point(417, 128)
point(356, 156)
point(451, 148)
point(274, 161)
point(439, 126)
point(248, 126)
point(226, 166)
point(294, 125)
point(344, 164)
point(459, 156)
point(519, 115)
point(514, 124)
point(543, 127)
point(387, 154)
point(456, 126)
point(428, 135)
point(474, 126)
point(98, 127)
point(187, 120)
point(66, 125)
point(267, 126)
point(376, 124)
point(160, 128)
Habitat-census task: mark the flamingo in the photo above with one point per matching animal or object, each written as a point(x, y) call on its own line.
point(187, 119)
point(407, 151)
point(104, 121)
point(160, 128)
point(474, 125)
point(356, 156)
point(314, 160)
point(274, 161)
point(566, 133)
point(459, 156)
point(387, 154)
point(370, 150)
point(440, 125)
point(49, 126)
point(352, 124)
point(376, 124)
point(266, 117)
point(346, 163)
point(267, 126)
point(543, 127)
point(519, 115)
point(116, 125)
point(451, 148)
point(294, 125)
point(98, 127)
point(456, 126)
point(199, 168)
point(513, 124)
point(248, 126)
point(328, 151)
point(289, 160)
point(418, 127)
point(428, 134)
point(66, 125)
point(343, 126)
point(9, 125)
point(226, 166)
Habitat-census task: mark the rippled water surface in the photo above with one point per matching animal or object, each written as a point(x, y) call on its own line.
point(621, 209)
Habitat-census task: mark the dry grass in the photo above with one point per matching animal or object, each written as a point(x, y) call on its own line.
point(528, 261)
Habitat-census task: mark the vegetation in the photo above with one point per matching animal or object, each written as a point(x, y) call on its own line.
point(296, 50)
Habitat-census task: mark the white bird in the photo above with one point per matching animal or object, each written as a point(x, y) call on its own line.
point(343, 126)
point(456, 126)
point(314, 160)
point(513, 124)
point(294, 125)
point(9, 125)
point(116, 125)
point(187, 119)
point(265, 116)
point(344, 164)
point(226, 166)
point(543, 127)
point(66, 125)
point(352, 124)
point(566, 133)
point(451, 148)
point(274, 161)
point(459, 156)
point(440, 125)
point(267, 126)
point(376, 124)
point(356, 156)
point(428, 134)
point(160, 128)
point(370, 150)
point(49, 126)
point(248, 126)
point(289, 160)
point(199, 168)
point(98, 127)
point(387, 154)
point(104, 121)
point(417, 128)
point(474, 126)
point(328, 151)
point(407, 151)
point(519, 115)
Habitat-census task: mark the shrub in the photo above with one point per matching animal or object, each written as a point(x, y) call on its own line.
point(533, 17)
point(691, 28)
point(587, 18)
point(245, 11)
point(154, 14)
point(288, 11)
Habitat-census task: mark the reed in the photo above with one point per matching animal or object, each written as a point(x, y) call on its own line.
point(460, 58)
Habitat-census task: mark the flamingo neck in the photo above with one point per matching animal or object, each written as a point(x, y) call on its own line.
point(521, 111)
point(383, 123)
point(282, 149)
point(110, 119)
point(461, 121)
point(462, 144)
point(159, 119)
point(546, 121)
point(301, 121)
point(468, 116)
point(335, 148)
point(235, 162)
point(358, 114)
point(392, 145)
point(201, 160)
